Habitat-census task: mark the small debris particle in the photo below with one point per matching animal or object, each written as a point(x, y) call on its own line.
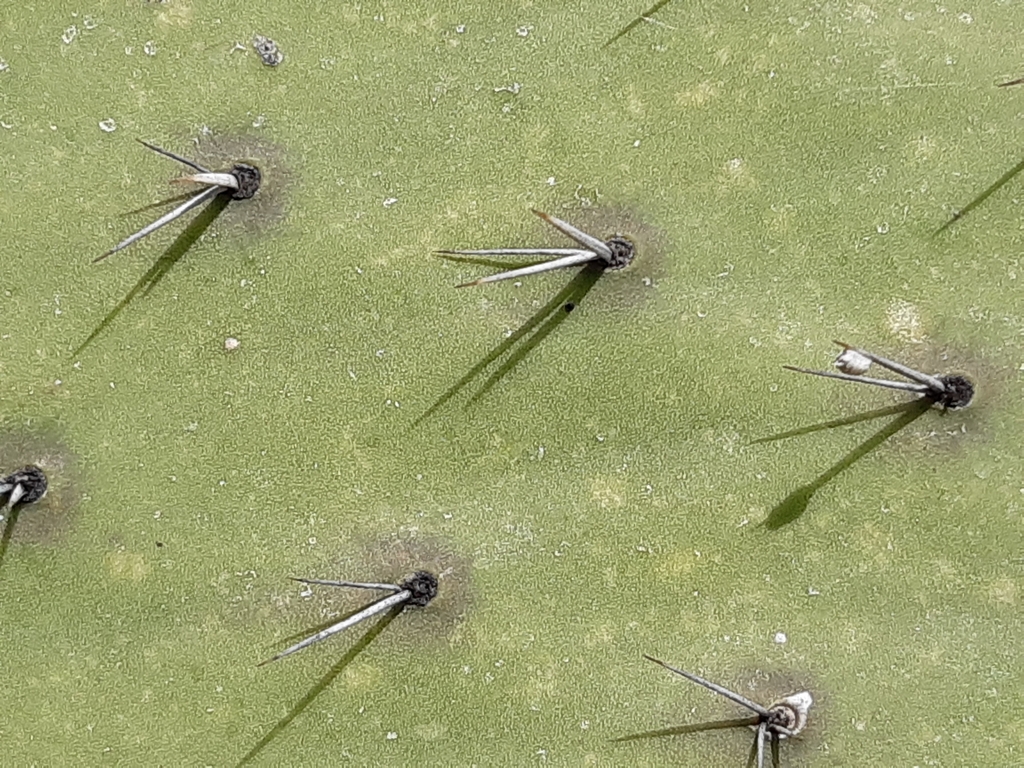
point(90, 23)
point(4, 66)
point(231, 343)
point(108, 125)
point(267, 49)
point(852, 362)
point(569, 307)
point(780, 638)
point(460, 29)
point(69, 35)
point(149, 48)
point(388, 202)
point(523, 31)
point(392, 735)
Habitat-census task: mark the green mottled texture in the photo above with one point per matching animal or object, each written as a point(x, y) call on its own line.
point(601, 501)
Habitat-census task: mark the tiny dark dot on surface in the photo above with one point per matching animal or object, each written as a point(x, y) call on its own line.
point(423, 586)
point(569, 307)
point(32, 480)
point(959, 392)
point(248, 178)
point(622, 252)
point(268, 51)
point(781, 716)
point(159, 543)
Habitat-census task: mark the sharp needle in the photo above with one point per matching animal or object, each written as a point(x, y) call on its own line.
point(378, 607)
point(930, 381)
point(513, 252)
point(17, 493)
point(889, 383)
point(185, 207)
point(752, 706)
point(578, 257)
point(168, 153)
point(590, 242)
point(216, 179)
point(356, 584)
